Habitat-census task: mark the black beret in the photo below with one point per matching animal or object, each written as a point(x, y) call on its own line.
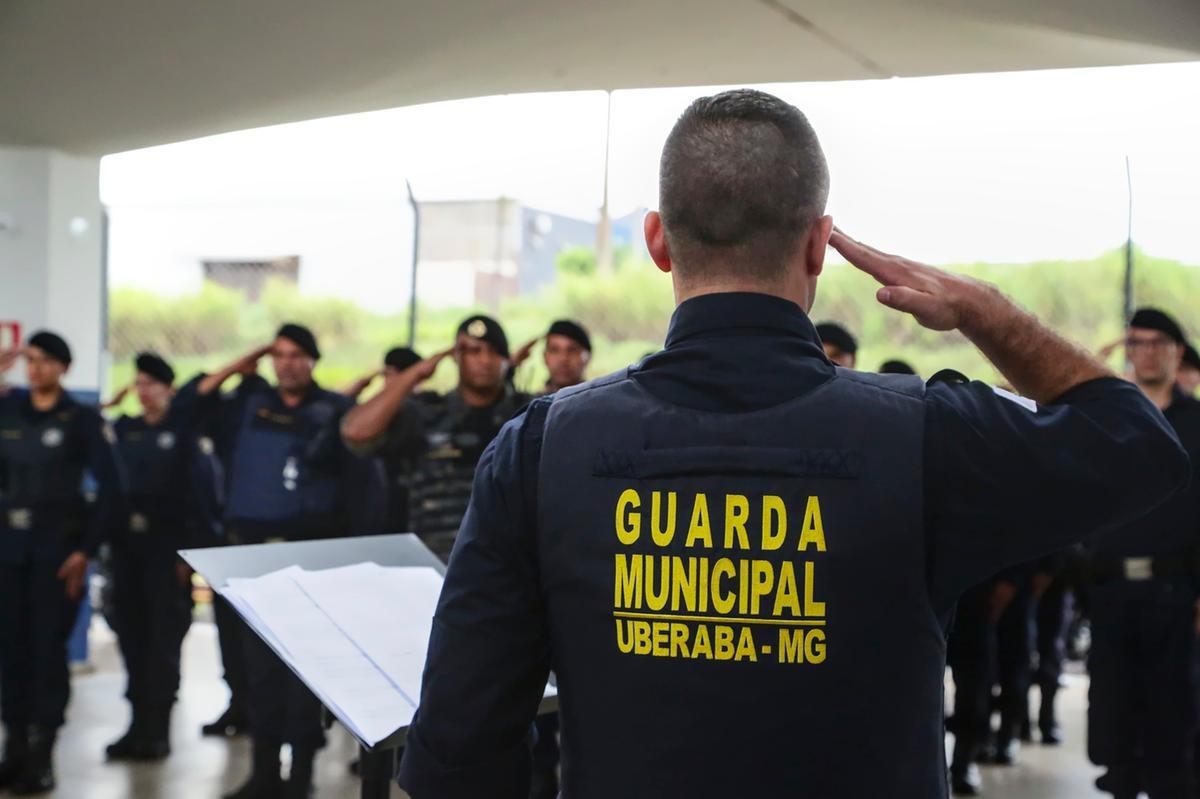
point(573, 331)
point(485, 328)
point(152, 365)
point(838, 336)
point(302, 337)
point(1191, 357)
point(896, 367)
point(52, 344)
point(401, 358)
point(1154, 319)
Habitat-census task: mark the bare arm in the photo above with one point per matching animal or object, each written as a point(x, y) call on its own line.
point(370, 420)
point(1038, 362)
point(247, 364)
point(360, 385)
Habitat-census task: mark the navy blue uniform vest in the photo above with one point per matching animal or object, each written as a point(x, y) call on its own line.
point(172, 480)
point(283, 466)
point(742, 594)
point(42, 458)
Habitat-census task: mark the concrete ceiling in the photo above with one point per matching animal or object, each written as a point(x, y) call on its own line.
point(95, 77)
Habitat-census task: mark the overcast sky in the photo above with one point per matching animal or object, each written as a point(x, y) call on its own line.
point(1010, 167)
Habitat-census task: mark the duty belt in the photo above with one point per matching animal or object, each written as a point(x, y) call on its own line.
point(1182, 563)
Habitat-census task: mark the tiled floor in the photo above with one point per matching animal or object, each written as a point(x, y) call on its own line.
point(203, 768)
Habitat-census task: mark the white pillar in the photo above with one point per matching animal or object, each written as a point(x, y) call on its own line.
point(51, 254)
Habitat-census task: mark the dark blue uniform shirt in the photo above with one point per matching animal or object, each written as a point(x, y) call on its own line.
point(1003, 484)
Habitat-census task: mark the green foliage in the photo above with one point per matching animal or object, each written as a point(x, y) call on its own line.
point(627, 313)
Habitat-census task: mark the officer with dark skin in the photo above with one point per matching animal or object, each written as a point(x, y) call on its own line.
point(445, 434)
point(1141, 713)
point(736, 535)
point(287, 481)
point(567, 353)
point(841, 348)
point(48, 534)
point(171, 499)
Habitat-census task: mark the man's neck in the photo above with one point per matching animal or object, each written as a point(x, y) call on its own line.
point(480, 397)
point(1161, 394)
point(45, 399)
point(294, 397)
point(154, 415)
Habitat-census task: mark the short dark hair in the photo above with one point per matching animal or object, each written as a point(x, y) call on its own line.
point(742, 178)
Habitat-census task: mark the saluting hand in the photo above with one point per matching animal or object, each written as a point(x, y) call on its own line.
point(521, 355)
point(248, 364)
point(117, 398)
point(423, 370)
point(938, 300)
point(9, 357)
point(73, 572)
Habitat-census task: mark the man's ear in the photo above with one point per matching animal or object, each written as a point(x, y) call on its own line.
point(818, 240)
point(656, 241)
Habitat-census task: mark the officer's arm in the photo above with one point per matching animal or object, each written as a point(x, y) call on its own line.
point(1007, 482)
point(489, 652)
point(364, 426)
point(105, 467)
point(1038, 362)
point(245, 365)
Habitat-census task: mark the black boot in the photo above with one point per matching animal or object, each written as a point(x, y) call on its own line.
point(965, 780)
point(38, 775)
point(16, 749)
point(300, 778)
point(1047, 719)
point(264, 782)
point(156, 734)
point(231, 723)
point(128, 745)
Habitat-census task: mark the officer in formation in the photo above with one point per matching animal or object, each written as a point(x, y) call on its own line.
point(172, 502)
point(1189, 371)
point(289, 479)
point(1141, 713)
point(440, 435)
point(50, 530)
point(567, 353)
point(841, 348)
point(708, 540)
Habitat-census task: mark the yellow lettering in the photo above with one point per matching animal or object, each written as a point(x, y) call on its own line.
point(700, 531)
point(679, 636)
point(722, 604)
point(627, 582)
point(813, 531)
point(641, 637)
point(737, 511)
point(787, 597)
point(814, 646)
point(762, 578)
point(629, 522)
point(661, 632)
point(773, 535)
point(723, 645)
point(662, 535)
point(701, 646)
point(812, 608)
point(745, 647)
point(624, 636)
point(791, 646)
point(683, 584)
point(657, 600)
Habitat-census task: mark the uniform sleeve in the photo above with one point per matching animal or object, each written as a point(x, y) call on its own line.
point(402, 437)
point(105, 467)
point(489, 652)
point(1006, 483)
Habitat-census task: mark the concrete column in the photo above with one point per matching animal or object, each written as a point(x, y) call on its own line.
point(51, 255)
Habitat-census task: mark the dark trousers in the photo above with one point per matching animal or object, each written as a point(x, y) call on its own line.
point(1054, 612)
point(279, 707)
point(231, 633)
point(152, 613)
point(972, 657)
point(36, 618)
point(1141, 713)
point(1014, 658)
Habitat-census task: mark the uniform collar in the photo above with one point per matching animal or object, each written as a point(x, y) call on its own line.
point(739, 313)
